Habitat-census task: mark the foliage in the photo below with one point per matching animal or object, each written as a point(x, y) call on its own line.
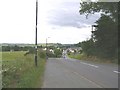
point(75, 56)
point(105, 39)
point(5, 48)
point(17, 48)
point(108, 8)
point(19, 70)
point(88, 47)
point(41, 53)
point(78, 44)
point(83, 56)
point(50, 54)
point(58, 52)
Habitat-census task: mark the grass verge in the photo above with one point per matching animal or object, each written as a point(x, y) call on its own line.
point(92, 58)
point(19, 71)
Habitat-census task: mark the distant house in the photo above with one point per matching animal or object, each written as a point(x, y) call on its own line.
point(75, 49)
point(51, 50)
point(44, 49)
point(71, 50)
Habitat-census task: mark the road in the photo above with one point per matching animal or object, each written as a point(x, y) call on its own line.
point(72, 73)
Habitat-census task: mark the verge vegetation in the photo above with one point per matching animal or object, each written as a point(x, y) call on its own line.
point(19, 70)
point(83, 56)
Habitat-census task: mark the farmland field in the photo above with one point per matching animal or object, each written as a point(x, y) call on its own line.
point(19, 71)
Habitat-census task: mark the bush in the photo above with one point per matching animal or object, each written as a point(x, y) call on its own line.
point(5, 48)
point(58, 52)
point(41, 53)
point(50, 54)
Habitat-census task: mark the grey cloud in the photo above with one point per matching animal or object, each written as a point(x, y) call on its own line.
point(67, 14)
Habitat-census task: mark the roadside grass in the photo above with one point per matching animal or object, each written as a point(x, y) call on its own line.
point(12, 55)
point(91, 58)
point(19, 71)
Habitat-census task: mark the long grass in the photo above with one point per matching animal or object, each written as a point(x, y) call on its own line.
point(20, 71)
point(13, 55)
point(92, 58)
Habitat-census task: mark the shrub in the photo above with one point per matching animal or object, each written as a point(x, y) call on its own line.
point(41, 53)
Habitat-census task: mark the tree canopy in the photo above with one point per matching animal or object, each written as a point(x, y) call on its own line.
point(106, 34)
point(108, 8)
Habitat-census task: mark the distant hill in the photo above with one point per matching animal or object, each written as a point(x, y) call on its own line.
point(26, 44)
point(39, 44)
point(18, 44)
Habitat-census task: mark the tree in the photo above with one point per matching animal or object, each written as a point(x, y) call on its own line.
point(78, 44)
point(16, 48)
point(88, 47)
point(41, 53)
point(108, 8)
point(57, 52)
point(5, 48)
point(106, 34)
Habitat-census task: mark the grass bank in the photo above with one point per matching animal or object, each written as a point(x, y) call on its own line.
point(92, 58)
point(19, 71)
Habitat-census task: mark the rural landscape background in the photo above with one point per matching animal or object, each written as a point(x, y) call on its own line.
point(77, 45)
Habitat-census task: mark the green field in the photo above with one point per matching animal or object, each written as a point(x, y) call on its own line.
point(19, 71)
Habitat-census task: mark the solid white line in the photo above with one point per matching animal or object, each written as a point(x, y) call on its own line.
point(116, 71)
point(90, 64)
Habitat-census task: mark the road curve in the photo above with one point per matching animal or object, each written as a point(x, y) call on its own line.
point(72, 73)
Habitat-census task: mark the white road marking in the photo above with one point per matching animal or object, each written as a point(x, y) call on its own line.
point(88, 80)
point(90, 64)
point(116, 71)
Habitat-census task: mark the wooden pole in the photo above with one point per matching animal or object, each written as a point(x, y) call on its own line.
point(36, 33)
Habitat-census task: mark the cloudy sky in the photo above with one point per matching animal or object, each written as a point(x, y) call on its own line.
point(58, 19)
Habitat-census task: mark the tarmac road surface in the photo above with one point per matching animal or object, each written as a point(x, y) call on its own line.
point(72, 73)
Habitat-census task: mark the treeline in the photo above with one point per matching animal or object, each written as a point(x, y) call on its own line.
point(16, 48)
point(104, 40)
point(56, 51)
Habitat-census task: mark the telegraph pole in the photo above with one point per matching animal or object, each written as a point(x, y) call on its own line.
point(36, 33)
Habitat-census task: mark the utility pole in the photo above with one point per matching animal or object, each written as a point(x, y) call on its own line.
point(36, 33)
